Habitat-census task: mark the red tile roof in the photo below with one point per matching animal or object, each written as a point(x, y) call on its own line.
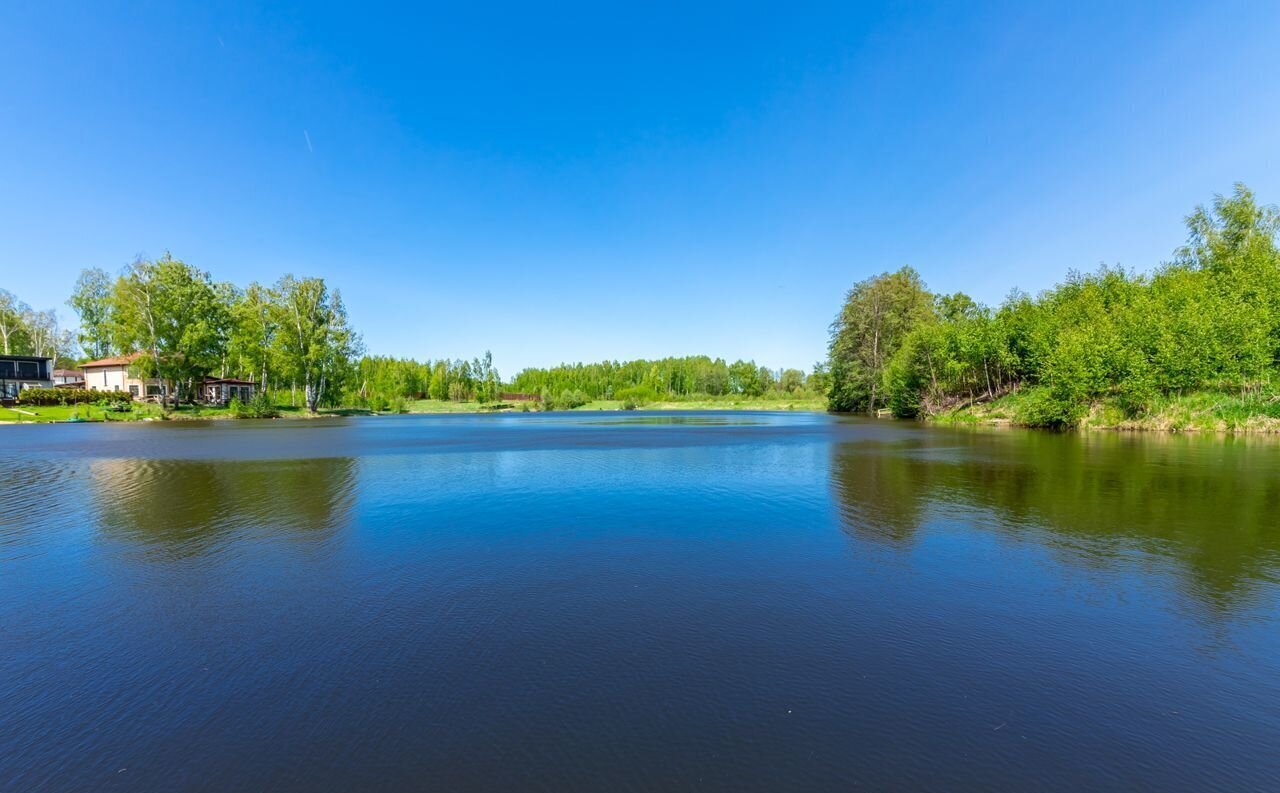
point(118, 360)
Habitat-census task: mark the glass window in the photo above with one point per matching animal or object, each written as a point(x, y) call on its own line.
point(133, 390)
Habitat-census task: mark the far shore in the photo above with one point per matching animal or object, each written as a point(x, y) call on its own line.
point(1199, 412)
point(55, 414)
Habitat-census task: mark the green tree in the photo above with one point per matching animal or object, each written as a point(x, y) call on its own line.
point(172, 311)
point(315, 344)
point(254, 327)
point(877, 315)
point(91, 300)
point(12, 314)
point(42, 332)
point(438, 388)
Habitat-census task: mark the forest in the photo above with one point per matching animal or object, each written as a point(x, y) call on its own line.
point(1113, 340)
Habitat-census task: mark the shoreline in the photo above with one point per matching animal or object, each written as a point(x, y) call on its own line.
point(1203, 412)
point(59, 414)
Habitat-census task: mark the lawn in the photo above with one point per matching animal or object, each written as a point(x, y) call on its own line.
point(43, 414)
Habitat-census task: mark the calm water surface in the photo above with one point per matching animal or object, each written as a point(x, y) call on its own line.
point(569, 602)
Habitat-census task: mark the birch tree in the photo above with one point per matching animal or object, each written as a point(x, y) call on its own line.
point(314, 344)
point(12, 312)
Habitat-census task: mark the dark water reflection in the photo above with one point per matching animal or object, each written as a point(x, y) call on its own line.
point(636, 602)
point(182, 507)
point(1211, 507)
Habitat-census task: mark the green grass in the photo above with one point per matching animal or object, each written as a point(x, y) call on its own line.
point(444, 406)
point(1207, 410)
point(44, 414)
point(146, 410)
point(807, 404)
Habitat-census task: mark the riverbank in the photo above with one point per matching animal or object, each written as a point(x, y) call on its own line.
point(1200, 411)
point(810, 405)
point(52, 414)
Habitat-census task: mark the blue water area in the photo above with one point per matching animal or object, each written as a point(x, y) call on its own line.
point(648, 601)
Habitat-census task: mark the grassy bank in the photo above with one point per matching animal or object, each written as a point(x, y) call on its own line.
point(437, 406)
point(1199, 411)
point(48, 414)
point(44, 414)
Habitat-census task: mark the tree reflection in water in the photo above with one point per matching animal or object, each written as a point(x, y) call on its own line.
point(183, 507)
point(1208, 504)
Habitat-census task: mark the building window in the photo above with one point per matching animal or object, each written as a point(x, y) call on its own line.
point(153, 390)
point(133, 391)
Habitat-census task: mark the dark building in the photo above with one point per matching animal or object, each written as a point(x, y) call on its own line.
point(23, 371)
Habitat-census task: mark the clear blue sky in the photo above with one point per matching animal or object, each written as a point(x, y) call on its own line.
point(559, 182)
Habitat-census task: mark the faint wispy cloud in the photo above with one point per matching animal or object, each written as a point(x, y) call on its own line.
point(306, 135)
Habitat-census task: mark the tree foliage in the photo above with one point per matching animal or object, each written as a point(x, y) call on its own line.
point(670, 379)
point(91, 300)
point(314, 343)
point(878, 314)
point(1209, 318)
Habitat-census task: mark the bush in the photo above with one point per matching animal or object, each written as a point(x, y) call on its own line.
point(259, 407)
point(118, 402)
point(639, 394)
point(67, 396)
point(1042, 407)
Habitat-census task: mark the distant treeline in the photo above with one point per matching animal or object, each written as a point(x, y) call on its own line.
point(668, 379)
point(1208, 319)
point(384, 383)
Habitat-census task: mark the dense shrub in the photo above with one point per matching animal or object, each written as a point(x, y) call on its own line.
point(259, 407)
point(567, 400)
point(117, 401)
point(67, 396)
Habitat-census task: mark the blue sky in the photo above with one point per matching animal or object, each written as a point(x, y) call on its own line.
point(589, 181)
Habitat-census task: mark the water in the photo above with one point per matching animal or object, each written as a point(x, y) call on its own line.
point(620, 602)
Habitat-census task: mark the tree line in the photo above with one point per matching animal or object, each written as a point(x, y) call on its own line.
point(28, 331)
point(386, 383)
point(668, 379)
point(1208, 319)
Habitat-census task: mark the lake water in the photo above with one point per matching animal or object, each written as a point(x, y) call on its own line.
point(613, 602)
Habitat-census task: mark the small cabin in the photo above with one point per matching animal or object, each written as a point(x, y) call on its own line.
point(222, 390)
